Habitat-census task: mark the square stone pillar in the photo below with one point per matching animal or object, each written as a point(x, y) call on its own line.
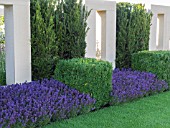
point(102, 24)
point(111, 36)
point(91, 36)
point(17, 36)
point(160, 28)
point(153, 34)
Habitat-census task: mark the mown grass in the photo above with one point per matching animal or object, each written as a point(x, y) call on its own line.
point(149, 112)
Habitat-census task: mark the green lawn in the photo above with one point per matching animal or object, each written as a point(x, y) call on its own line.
point(149, 112)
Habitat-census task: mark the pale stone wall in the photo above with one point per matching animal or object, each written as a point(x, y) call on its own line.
point(18, 46)
point(160, 28)
point(1, 11)
point(101, 38)
point(147, 2)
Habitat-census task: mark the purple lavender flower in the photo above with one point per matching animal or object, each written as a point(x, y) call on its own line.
point(32, 104)
point(128, 85)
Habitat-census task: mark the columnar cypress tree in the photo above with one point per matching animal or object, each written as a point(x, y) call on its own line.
point(43, 39)
point(71, 28)
point(133, 29)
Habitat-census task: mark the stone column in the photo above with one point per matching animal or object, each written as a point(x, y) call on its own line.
point(106, 12)
point(91, 36)
point(160, 28)
point(18, 46)
point(153, 33)
point(166, 43)
point(111, 36)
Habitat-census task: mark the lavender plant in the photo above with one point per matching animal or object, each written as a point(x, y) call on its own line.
point(35, 104)
point(128, 85)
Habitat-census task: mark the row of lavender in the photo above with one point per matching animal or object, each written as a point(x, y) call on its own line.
point(128, 85)
point(37, 103)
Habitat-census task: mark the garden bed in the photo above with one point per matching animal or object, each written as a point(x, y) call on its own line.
point(35, 104)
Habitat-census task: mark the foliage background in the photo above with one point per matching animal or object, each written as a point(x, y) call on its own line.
point(2, 53)
point(2, 69)
point(2, 34)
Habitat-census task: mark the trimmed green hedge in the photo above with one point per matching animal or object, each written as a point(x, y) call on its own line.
point(157, 62)
point(87, 75)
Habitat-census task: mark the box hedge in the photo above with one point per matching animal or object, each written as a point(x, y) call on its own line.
point(157, 62)
point(87, 75)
